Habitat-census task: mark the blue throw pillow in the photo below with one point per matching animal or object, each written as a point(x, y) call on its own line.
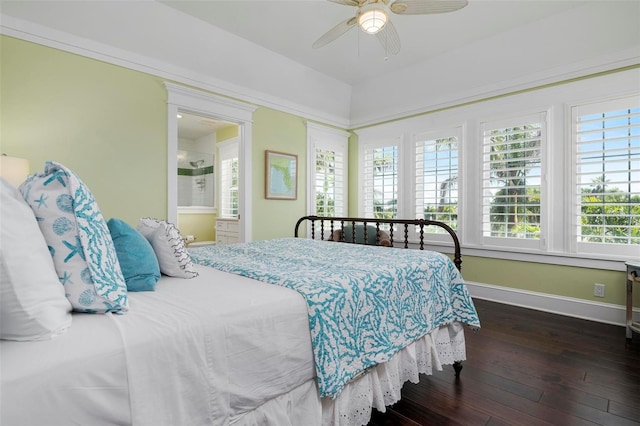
point(137, 259)
point(372, 235)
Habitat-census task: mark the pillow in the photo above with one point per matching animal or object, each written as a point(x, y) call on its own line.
point(32, 301)
point(137, 260)
point(78, 238)
point(373, 238)
point(169, 247)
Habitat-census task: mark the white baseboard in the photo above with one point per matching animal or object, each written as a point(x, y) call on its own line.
point(579, 308)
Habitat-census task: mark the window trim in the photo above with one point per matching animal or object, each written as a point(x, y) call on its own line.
point(439, 133)
point(575, 110)
point(224, 147)
point(324, 137)
point(532, 245)
point(398, 141)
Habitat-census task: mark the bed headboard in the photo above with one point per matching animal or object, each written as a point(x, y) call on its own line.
point(402, 225)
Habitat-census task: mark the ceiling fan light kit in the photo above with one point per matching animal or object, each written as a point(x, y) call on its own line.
point(372, 18)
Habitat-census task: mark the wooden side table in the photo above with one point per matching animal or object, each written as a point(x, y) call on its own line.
point(633, 276)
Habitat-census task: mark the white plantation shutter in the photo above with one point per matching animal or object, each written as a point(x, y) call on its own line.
point(228, 157)
point(327, 171)
point(380, 179)
point(607, 176)
point(512, 184)
point(436, 177)
point(330, 182)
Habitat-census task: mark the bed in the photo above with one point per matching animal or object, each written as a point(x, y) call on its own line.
point(225, 348)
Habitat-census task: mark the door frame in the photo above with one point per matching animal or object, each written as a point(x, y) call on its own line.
point(181, 98)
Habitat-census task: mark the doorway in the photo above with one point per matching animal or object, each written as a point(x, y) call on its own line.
point(203, 182)
point(183, 100)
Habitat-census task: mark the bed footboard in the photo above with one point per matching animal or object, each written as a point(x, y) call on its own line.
point(375, 231)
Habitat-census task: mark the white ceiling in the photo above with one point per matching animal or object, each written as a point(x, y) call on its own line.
point(290, 28)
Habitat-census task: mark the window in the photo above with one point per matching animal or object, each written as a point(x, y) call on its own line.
point(525, 177)
point(327, 171)
point(607, 175)
point(228, 153)
point(330, 182)
point(381, 181)
point(512, 181)
point(436, 178)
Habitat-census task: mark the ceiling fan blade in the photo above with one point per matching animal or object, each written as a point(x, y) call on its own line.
point(346, 2)
point(334, 33)
point(389, 38)
point(426, 7)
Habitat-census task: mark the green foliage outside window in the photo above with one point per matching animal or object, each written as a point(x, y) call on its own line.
point(609, 215)
point(515, 208)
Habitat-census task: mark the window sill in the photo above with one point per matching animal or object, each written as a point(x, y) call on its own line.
point(196, 210)
point(603, 261)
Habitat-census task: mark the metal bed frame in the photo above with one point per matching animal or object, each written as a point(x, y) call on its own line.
point(341, 222)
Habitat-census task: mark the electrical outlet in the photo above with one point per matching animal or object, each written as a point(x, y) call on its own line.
point(598, 290)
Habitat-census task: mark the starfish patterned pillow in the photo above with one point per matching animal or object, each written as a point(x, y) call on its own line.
point(78, 238)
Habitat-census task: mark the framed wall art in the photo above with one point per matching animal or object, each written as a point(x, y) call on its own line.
point(281, 176)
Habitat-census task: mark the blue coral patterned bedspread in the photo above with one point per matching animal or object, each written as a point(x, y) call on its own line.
point(365, 303)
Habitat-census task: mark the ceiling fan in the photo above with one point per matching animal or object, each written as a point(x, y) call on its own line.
point(373, 17)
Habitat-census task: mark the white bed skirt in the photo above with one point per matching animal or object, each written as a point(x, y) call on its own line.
point(379, 387)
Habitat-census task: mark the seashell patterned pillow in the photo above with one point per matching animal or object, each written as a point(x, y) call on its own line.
point(78, 239)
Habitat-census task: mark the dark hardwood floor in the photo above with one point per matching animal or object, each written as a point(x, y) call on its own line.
point(526, 367)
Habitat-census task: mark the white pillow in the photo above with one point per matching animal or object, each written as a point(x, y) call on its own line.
point(169, 247)
point(32, 301)
point(79, 240)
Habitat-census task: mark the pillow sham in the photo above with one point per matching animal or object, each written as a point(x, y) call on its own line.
point(32, 301)
point(78, 238)
point(169, 247)
point(137, 259)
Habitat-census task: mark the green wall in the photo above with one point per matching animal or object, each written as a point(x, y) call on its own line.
point(227, 133)
point(201, 225)
point(559, 280)
point(105, 122)
point(108, 124)
point(277, 131)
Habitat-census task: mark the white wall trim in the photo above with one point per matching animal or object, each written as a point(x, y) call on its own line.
point(225, 108)
point(578, 308)
point(328, 130)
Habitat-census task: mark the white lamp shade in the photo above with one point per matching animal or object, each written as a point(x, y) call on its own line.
point(372, 19)
point(13, 169)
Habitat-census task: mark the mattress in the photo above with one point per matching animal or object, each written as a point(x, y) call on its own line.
point(196, 351)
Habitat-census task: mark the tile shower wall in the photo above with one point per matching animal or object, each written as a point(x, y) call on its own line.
point(196, 190)
point(195, 179)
